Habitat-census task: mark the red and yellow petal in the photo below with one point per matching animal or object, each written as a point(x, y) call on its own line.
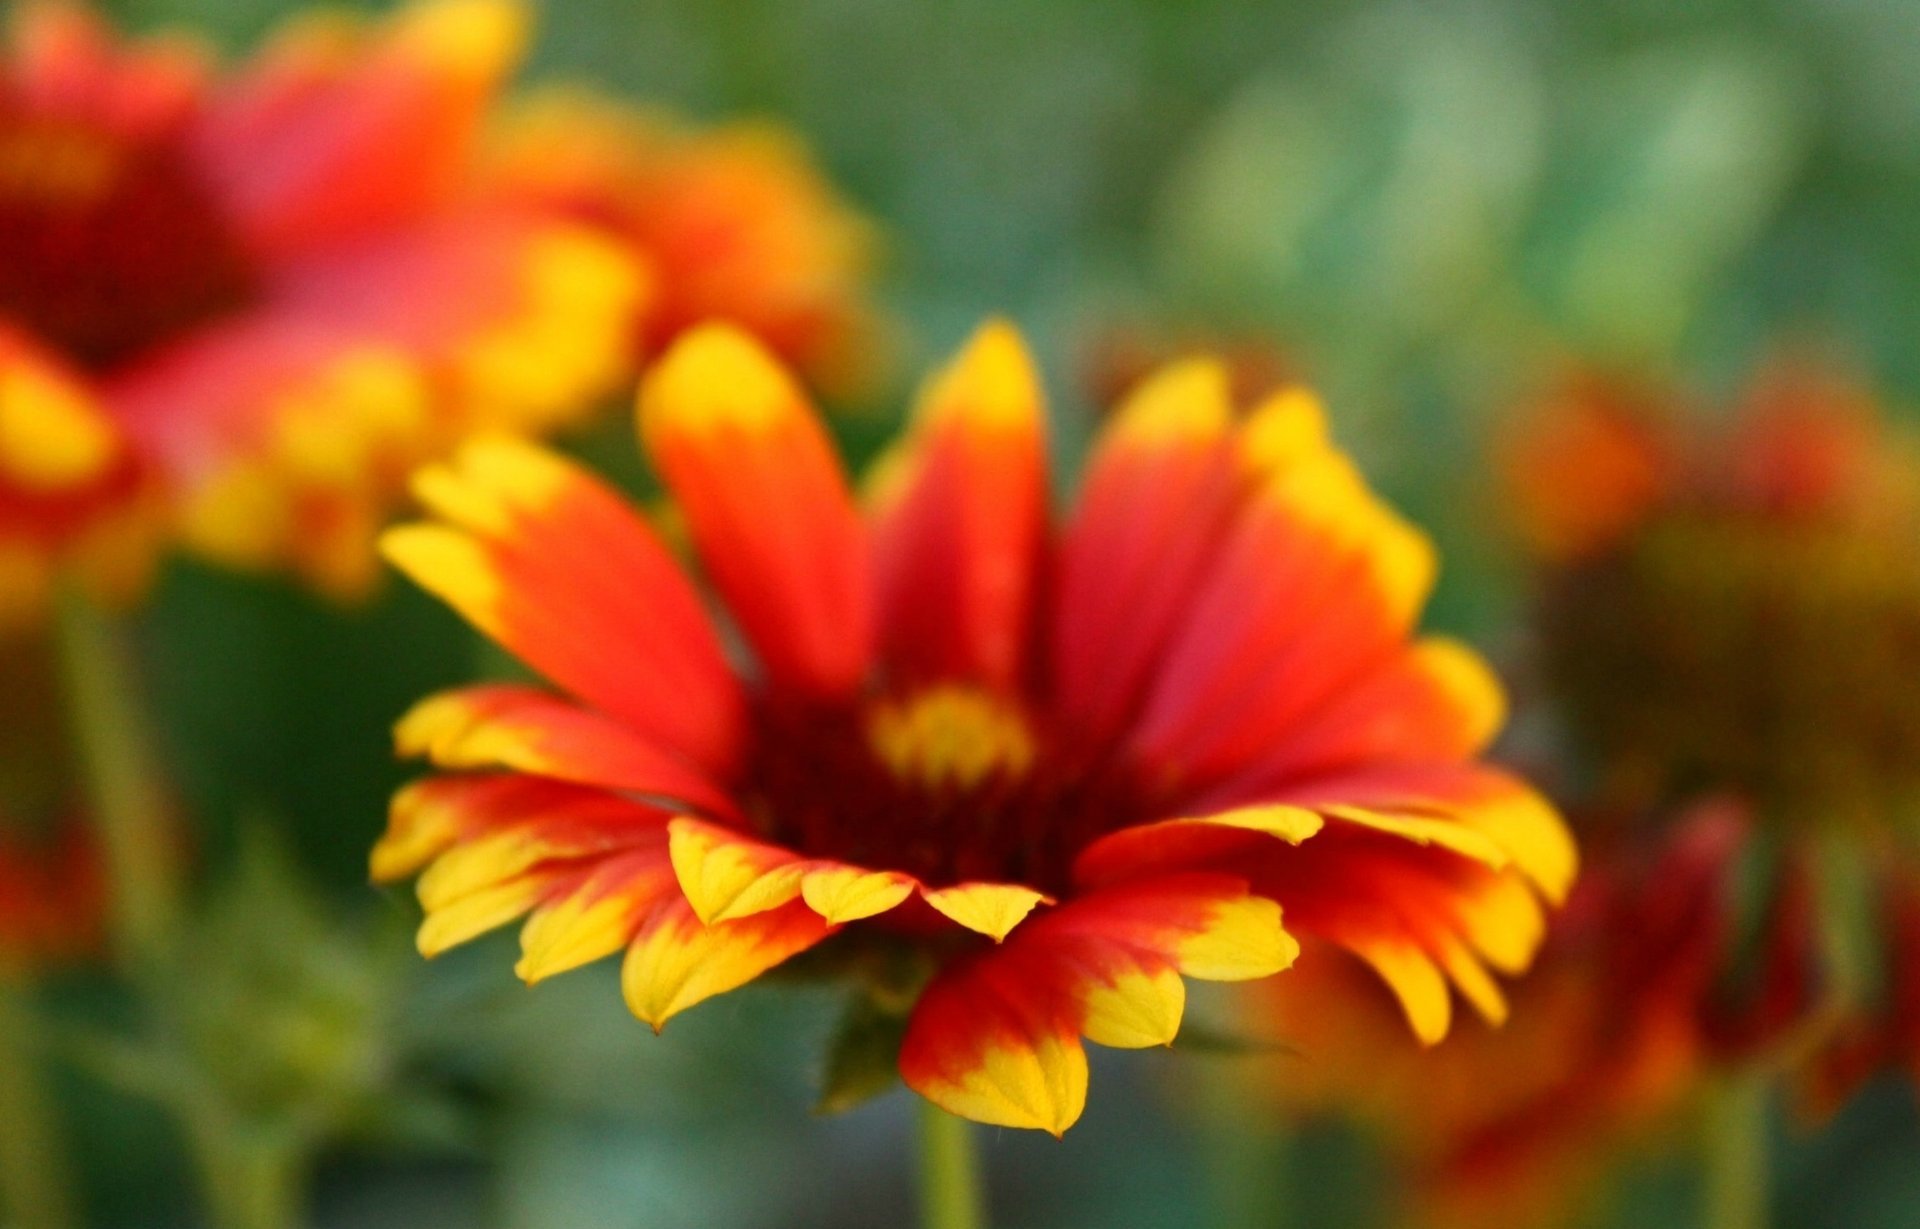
point(530, 731)
point(1315, 586)
point(339, 130)
point(997, 1037)
point(767, 506)
point(677, 961)
point(1434, 702)
point(1146, 850)
point(726, 874)
point(495, 847)
point(960, 517)
point(1156, 497)
point(73, 497)
point(529, 556)
point(736, 222)
point(525, 320)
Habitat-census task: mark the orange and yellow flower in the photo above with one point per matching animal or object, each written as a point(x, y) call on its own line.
point(1612, 1031)
point(266, 294)
point(1060, 767)
point(1731, 607)
point(733, 223)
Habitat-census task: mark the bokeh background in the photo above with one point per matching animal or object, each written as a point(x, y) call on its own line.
point(1424, 208)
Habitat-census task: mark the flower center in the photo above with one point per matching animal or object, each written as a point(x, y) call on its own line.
point(951, 738)
point(113, 244)
point(950, 784)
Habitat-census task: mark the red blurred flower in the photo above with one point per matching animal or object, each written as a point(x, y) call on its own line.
point(1610, 1035)
point(270, 293)
point(733, 223)
point(53, 896)
point(1059, 768)
point(1742, 619)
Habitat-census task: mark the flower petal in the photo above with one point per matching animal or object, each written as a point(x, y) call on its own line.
point(996, 1036)
point(959, 524)
point(529, 563)
point(1172, 844)
point(522, 728)
point(337, 131)
point(677, 961)
point(767, 505)
point(1316, 585)
point(987, 1043)
point(991, 909)
point(1158, 491)
point(725, 874)
point(595, 919)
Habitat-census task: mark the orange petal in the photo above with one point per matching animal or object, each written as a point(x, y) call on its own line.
point(959, 527)
point(677, 961)
point(1174, 844)
point(1159, 487)
point(504, 726)
point(767, 505)
point(430, 816)
point(528, 560)
point(987, 1045)
point(1434, 702)
point(1316, 585)
point(996, 1037)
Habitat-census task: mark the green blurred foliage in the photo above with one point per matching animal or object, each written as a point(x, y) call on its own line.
point(1427, 206)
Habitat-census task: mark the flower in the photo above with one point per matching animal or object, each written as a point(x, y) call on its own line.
point(1055, 770)
point(1612, 1032)
point(732, 223)
point(254, 302)
point(1736, 615)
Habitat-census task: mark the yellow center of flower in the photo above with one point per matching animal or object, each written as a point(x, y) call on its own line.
point(113, 243)
point(952, 737)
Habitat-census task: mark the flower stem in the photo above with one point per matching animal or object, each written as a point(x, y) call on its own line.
point(125, 792)
point(1736, 1153)
point(950, 1192)
point(255, 1179)
point(33, 1169)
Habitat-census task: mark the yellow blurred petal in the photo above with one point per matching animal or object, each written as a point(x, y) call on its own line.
point(52, 436)
point(1183, 401)
point(992, 385)
point(1416, 982)
point(716, 378)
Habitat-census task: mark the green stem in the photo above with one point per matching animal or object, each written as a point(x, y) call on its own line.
point(950, 1192)
point(1247, 1149)
point(33, 1167)
point(1737, 1179)
point(254, 1179)
point(124, 783)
